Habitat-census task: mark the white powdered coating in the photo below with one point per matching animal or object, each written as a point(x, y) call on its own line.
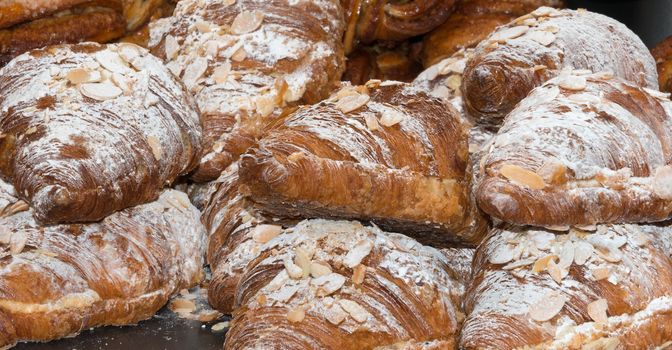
point(421, 269)
point(134, 259)
point(277, 54)
point(153, 121)
point(443, 79)
point(633, 255)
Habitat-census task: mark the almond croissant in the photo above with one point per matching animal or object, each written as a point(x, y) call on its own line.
point(384, 152)
point(581, 150)
point(58, 280)
point(536, 47)
point(248, 62)
point(90, 129)
point(532, 289)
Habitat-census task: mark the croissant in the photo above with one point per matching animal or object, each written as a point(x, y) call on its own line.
point(538, 46)
point(382, 62)
point(58, 280)
point(384, 152)
point(663, 55)
point(471, 22)
point(372, 20)
point(248, 64)
point(608, 289)
point(90, 129)
point(146, 15)
point(581, 150)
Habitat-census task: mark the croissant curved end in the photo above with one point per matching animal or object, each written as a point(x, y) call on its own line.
point(55, 198)
point(496, 202)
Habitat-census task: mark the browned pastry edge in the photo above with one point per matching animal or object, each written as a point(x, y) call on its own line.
point(13, 12)
point(663, 55)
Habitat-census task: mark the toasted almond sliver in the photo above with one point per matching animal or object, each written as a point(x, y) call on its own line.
point(350, 103)
point(555, 271)
point(597, 310)
point(247, 22)
point(221, 73)
point(100, 91)
point(194, 71)
point(391, 117)
point(335, 314)
point(501, 255)
point(508, 33)
point(182, 304)
point(302, 260)
point(360, 251)
point(358, 274)
point(171, 47)
point(239, 55)
point(356, 311)
point(601, 273)
point(112, 61)
point(548, 306)
point(318, 269)
point(582, 252)
point(293, 270)
point(78, 76)
point(522, 176)
point(519, 263)
point(371, 122)
point(662, 182)
point(155, 145)
point(329, 284)
point(573, 82)
point(296, 315)
point(453, 82)
point(218, 327)
point(541, 263)
point(265, 233)
point(566, 255)
point(542, 37)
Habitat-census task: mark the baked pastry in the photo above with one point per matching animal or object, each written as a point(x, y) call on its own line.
point(471, 22)
point(538, 46)
point(140, 35)
point(372, 20)
point(382, 62)
point(333, 285)
point(58, 280)
point(663, 55)
point(608, 289)
point(581, 150)
point(371, 153)
point(90, 129)
point(248, 63)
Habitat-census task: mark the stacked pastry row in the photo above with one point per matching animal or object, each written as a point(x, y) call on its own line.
point(571, 150)
point(91, 135)
point(31, 24)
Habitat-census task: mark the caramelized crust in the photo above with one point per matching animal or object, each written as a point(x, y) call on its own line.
point(663, 55)
point(19, 11)
point(382, 152)
point(248, 64)
point(581, 150)
point(609, 289)
point(536, 47)
point(471, 22)
point(57, 280)
point(91, 129)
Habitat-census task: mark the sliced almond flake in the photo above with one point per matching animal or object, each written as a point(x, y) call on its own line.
point(155, 145)
point(175, 68)
point(302, 260)
point(350, 103)
point(606, 248)
point(508, 33)
point(247, 22)
point(221, 73)
point(640, 238)
point(358, 274)
point(100, 91)
point(597, 310)
point(328, 284)
point(371, 122)
point(202, 26)
point(522, 176)
point(122, 82)
point(209, 315)
point(542, 37)
point(171, 47)
point(296, 315)
point(391, 117)
point(335, 314)
point(453, 82)
point(17, 242)
point(81, 75)
point(519, 263)
point(294, 94)
point(539, 67)
point(604, 344)
point(356, 311)
point(456, 66)
point(548, 306)
point(130, 52)
point(112, 62)
point(582, 72)
point(265, 233)
point(360, 251)
point(541, 263)
point(293, 270)
point(555, 271)
point(219, 327)
point(573, 82)
point(544, 11)
point(319, 269)
point(604, 75)
point(566, 255)
point(265, 105)
point(542, 239)
point(194, 71)
point(182, 304)
point(582, 252)
point(501, 255)
point(278, 281)
point(662, 182)
point(239, 55)
point(530, 22)
point(584, 98)
point(551, 28)
point(601, 273)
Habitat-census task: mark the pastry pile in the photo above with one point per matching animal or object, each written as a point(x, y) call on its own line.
point(515, 195)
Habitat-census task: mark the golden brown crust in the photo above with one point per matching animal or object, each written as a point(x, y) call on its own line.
point(370, 155)
point(13, 12)
point(279, 54)
point(537, 290)
point(527, 52)
point(91, 129)
point(57, 280)
point(663, 55)
point(581, 150)
point(471, 22)
point(382, 63)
